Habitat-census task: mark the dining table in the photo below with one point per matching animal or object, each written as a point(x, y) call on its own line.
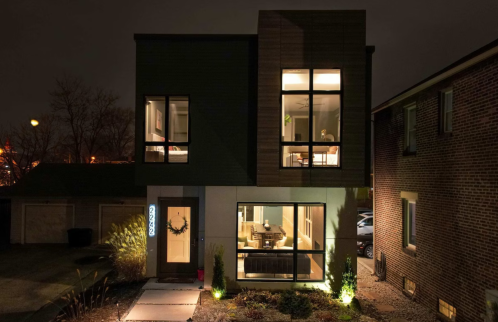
point(271, 235)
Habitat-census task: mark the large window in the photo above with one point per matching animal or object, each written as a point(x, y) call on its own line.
point(446, 107)
point(447, 310)
point(410, 228)
point(280, 241)
point(167, 133)
point(410, 128)
point(311, 118)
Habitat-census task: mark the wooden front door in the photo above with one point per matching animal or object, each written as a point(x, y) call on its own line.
point(178, 252)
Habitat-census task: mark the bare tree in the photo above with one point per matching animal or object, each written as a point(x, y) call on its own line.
point(84, 112)
point(70, 101)
point(119, 132)
point(100, 113)
point(24, 146)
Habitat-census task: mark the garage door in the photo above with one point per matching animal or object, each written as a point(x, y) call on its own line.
point(47, 223)
point(115, 214)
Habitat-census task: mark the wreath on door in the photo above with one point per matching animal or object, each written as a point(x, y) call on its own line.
point(178, 231)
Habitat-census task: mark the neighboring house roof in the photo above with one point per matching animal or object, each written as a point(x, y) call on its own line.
point(471, 59)
point(79, 180)
point(5, 191)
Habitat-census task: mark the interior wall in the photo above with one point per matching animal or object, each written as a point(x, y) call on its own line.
point(273, 215)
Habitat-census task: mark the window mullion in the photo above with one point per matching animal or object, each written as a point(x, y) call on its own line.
point(296, 239)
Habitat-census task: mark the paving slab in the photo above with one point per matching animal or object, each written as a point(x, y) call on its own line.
point(384, 308)
point(361, 284)
point(370, 295)
point(143, 312)
point(152, 284)
point(168, 297)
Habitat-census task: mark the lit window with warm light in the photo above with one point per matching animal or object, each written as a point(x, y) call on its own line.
point(447, 310)
point(311, 118)
point(295, 79)
point(326, 79)
point(167, 120)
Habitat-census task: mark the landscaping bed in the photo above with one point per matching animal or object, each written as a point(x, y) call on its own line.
point(252, 305)
point(119, 291)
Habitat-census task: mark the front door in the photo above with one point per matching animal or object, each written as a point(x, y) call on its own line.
point(178, 251)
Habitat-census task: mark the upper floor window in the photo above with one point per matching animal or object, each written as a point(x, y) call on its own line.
point(167, 134)
point(311, 117)
point(410, 128)
point(446, 108)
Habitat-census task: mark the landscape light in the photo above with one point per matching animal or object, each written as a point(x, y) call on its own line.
point(346, 299)
point(217, 295)
point(34, 122)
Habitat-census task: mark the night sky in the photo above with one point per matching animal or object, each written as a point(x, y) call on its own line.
point(93, 39)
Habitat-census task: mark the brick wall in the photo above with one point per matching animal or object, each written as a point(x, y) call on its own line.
point(456, 178)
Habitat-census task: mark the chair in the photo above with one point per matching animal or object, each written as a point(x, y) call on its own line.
point(280, 243)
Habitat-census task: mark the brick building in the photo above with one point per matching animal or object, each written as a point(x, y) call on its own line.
point(436, 187)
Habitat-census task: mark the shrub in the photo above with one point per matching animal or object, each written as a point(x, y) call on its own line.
point(320, 300)
point(355, 305)
point(218, 286)
point(79, 305)
point(295, 304)
point(325, 317)
point(345, 317)
point(250, 296)
point(129, 248)
point(255, 314)
point(348, 288)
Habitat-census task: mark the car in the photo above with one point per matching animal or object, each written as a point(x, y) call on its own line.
point(364, 246)
point(363, 213)
point(365, 226)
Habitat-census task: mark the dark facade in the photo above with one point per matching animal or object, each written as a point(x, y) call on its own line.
point(455, 177)
point(218, 73)
point(234, 87)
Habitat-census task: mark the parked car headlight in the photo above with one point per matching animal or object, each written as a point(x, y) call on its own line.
point(359, 243)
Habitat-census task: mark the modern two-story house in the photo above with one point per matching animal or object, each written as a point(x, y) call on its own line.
point(256, 143)
point(436, 185)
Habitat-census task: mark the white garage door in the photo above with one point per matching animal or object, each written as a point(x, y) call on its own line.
point(115, 214)
point(47, 223)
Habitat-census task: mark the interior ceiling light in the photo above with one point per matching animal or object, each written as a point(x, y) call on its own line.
point(328, 79)
point(292, 79)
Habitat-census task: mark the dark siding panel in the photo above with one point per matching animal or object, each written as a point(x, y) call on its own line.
point(313, 39)
point(220, 77)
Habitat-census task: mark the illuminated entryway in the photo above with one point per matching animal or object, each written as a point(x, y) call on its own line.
point(178, 241)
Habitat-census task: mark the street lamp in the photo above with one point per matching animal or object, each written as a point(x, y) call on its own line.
point(34, 122)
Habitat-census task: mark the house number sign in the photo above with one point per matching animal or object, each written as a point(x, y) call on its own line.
point(152, 220)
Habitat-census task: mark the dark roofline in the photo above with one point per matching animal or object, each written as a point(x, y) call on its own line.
point(459, 62)
point(194, 36)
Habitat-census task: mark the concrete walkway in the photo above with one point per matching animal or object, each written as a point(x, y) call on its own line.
point(165, 302)
point(367, 263)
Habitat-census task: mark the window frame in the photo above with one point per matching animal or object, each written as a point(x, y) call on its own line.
point(443, 112)
point(166, 144)
point(453, 309)
point(310, 144)
point(407, 223)
point(406, 131)
point(294, 251)
point(407, 283)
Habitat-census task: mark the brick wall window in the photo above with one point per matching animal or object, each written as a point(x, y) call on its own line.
point(310, 128)
point(410, 129)
point(446, 110)
point(408, 285)
point(447, 310)
point(409, 224)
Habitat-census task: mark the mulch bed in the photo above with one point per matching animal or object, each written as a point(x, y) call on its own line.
point(120, 292)
point(225, 310)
